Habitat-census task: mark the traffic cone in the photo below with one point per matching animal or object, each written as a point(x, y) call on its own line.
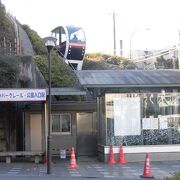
point(111, 156)
point(73, 163)
point(147, 168)
point(122, 159)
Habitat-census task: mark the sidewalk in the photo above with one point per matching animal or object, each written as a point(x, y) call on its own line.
point(90, 168)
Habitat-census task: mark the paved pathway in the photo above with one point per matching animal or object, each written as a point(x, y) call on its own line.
point(90, 168)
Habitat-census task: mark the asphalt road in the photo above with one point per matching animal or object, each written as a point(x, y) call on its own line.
point(88, 169)
point(60, 178)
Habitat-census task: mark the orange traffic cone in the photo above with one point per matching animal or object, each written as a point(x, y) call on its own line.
point(122, 159)
point(111, 156)
point(147, 168)
point(73, 163)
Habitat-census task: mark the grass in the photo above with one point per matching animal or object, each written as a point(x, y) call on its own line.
point(176, 176)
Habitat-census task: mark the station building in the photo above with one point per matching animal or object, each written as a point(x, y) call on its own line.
point(139, 109)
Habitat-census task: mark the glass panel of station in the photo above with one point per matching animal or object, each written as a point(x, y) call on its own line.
point(139, 118)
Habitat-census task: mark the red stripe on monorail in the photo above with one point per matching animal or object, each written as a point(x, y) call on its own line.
point(76, 44)
point(71, 44)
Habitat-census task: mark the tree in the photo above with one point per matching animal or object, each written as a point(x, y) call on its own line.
point(36, 40)
point(106, 61)
point(162, 63)
point(7, 34)
point(60, 74)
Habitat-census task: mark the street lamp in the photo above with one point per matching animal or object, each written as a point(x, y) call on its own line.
point(49, 43)
point(130, 44)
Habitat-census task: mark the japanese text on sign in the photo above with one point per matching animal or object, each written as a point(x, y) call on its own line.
point(23, 95)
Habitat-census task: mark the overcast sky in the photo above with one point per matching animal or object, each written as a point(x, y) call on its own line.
point(95, 16)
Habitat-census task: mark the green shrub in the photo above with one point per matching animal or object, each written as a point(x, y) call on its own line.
point(114, 60)
point(60, 73)
point(36, 40)
point(9, 71)
point(97, 61)
point(176, 176)
point(7, 34)
point(94, 65)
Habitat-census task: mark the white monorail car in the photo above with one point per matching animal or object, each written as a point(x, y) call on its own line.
point(71, 45)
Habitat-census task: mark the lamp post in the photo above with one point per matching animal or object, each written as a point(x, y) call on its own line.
point(130, 43)
point(49, 43)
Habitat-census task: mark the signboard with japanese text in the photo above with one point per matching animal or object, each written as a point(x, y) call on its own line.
point(23, 95)
point(127, 114)
point(163, 122)
point(150, 123)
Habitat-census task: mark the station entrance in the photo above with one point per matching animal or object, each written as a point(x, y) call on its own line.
point(86, 134)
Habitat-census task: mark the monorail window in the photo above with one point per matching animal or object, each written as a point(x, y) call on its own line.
point(63, 36)
point(61, 123)
point(76, 34)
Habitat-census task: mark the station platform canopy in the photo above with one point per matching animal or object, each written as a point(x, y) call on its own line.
point(66, 91)
point(128, 78)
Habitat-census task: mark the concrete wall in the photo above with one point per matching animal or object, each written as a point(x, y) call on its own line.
point(138, 153)
point(30, 76)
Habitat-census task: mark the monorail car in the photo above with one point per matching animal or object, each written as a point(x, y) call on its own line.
point(71, 45)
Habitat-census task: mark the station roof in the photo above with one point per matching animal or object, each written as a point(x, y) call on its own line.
point(129, 78)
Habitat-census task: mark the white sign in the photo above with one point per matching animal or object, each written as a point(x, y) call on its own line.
point(163, 122)
point(127, 119)
point(22, 94)
point(150, 123)
point(63, 154)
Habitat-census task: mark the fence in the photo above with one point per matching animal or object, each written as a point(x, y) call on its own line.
point(9, 48)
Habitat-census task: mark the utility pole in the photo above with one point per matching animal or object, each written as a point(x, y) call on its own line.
point(145, 60)
point(121, 48)
point(114, 31)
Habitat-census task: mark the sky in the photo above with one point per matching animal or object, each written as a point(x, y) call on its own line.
point(132, 19)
